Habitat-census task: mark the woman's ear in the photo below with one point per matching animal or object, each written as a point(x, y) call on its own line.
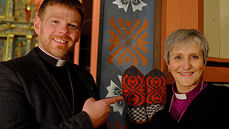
point(205, 63)
point(204, 67)
point(168, 68)
point(36, 23)
point(167, 65)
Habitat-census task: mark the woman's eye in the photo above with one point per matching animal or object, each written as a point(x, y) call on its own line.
point(195, 57)
point(177, 57)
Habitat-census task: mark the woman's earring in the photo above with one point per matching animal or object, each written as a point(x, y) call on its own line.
point(169, 70)
point(204, 69)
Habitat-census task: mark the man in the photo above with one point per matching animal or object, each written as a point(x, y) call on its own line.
point(44, 90)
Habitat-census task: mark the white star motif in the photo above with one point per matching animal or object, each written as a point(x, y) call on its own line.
point(114, 90)
point(136, 4)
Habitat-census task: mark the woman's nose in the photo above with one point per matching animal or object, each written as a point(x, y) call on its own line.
point(187, 64)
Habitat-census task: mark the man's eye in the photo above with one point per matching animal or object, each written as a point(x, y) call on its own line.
point(74, 27)
point(54, 21)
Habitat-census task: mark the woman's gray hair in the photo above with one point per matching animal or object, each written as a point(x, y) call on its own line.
point(179, 37)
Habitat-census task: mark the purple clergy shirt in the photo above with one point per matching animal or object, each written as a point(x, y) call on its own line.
point(180, 102)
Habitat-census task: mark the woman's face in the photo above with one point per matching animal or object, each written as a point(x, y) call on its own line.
point(186, 65)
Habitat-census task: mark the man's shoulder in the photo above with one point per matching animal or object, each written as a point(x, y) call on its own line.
point(24, 62)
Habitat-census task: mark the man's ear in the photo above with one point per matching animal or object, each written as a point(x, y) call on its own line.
point(36, 23)
point(78, 40)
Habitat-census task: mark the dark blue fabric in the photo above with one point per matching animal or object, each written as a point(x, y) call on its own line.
point(127, 29)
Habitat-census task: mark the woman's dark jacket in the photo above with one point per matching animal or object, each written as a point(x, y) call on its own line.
point(209, 110)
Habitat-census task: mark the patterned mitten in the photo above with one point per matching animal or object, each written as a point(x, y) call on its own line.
point(155, 82)
point(134, 94)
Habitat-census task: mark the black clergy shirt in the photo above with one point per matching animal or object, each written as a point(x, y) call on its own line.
point(61, 75)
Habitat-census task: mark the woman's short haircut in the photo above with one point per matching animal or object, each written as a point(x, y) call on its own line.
point(179, 37)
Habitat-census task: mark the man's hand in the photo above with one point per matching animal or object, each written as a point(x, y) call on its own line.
point(98, 111)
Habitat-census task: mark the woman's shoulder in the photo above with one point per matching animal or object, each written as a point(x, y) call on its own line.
point(218, 87)
point(217, 90)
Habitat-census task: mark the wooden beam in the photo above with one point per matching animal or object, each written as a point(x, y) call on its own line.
point(216, 74)
point(95, 38)
point(215, 59)
point(157, 35)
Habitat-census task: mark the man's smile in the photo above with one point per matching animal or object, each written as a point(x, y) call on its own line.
point(60, 41)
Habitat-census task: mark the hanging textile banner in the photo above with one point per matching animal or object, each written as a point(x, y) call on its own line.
point(126, 39)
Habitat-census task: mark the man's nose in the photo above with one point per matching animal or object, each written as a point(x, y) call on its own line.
point(63, 30)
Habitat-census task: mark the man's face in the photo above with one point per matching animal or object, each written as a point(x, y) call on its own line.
point(58, 30)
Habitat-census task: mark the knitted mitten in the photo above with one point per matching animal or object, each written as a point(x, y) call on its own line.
point(134, 94)
point(155, 82)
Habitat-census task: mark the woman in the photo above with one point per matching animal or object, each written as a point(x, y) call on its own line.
point(191, 103)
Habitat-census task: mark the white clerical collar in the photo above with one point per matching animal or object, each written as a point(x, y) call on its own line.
point(190, 94)
point(181, 96)
point(59, 62)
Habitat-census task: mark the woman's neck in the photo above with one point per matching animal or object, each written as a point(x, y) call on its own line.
point(185, 89)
